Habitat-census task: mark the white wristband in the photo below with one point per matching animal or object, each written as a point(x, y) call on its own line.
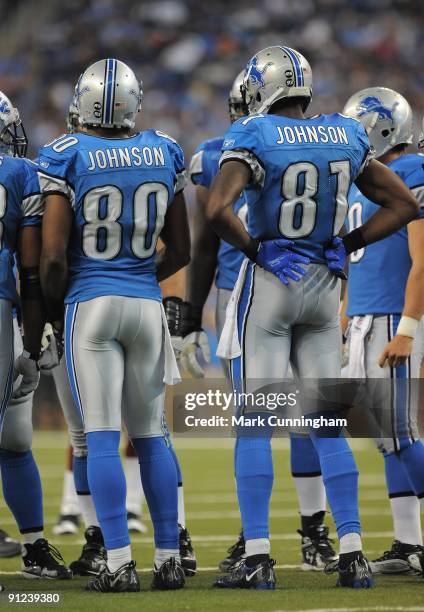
point(407, 327)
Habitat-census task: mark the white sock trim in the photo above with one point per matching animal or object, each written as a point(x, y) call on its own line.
point(32, 536)
point(163, 554)
point(258, 546)
point(351, 542)
point(88, 511)
point(117, 557)
point(407, 519)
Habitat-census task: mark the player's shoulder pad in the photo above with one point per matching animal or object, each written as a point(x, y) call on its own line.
point(248, 120)
point(61, 144)
point(59, 150)
point(211, 145)
point(157, 137)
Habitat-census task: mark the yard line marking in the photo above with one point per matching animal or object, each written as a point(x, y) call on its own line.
point(214, 539)
point(361, 609)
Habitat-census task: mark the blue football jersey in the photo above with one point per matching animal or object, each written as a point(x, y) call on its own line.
point(21, 205)
point(301, 173)
point(378, 273)
point(203, 169)
point(119, 190)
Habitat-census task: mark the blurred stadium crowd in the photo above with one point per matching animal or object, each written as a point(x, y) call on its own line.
point(187, 53)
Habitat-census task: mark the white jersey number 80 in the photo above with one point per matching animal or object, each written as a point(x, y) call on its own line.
point(102, 227)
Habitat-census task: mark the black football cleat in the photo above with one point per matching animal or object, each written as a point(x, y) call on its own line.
point(93, 556)
point(187, 556)
point(169, 576)
point(260, 577)
point(317, 548)
point(124, 580)
point(416, 562)
point(8, 547)
point(356, 575)
point(396, 560)
point(236, 552)
point(42, 560)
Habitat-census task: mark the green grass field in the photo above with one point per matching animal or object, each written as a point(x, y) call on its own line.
point(213, 521)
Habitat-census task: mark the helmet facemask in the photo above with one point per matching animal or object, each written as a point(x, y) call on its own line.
point(15, 139)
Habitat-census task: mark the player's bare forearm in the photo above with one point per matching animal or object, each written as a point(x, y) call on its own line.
point(414, 294)
point(33, 315)
point(57, 222)
point(230, 181)
point(202, 268)
point(398, 205)
point(32, 304)
point(175, 236)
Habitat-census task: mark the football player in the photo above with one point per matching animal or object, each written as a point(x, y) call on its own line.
point(386, 337)
point(109, 193)
point(213, 258)
point(21, 207)
point(295, 172)
point(93, 554)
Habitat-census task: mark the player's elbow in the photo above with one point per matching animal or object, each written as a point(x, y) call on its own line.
point(53, 264)
point(182, 255)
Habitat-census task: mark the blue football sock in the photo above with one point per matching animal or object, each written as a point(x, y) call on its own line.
point(304, 458)
point(106, 481)
point(177, 464)
point(255, 476)
point(340, 476)
point(22, 489)
point(80, 471)
point(159, 479)
point(397, 481)
point(412, 458)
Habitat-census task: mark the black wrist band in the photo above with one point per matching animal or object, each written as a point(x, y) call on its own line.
point(354, 241)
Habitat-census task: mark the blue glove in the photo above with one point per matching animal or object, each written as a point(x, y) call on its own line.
point(335, 254)
point(276, 257)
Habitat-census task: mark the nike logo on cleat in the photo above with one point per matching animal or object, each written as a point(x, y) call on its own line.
point(250, 576)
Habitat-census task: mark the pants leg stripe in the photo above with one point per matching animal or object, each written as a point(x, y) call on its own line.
point(237, 366)
point(70, 317)
point(7, 392)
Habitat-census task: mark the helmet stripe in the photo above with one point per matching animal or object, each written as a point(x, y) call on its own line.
point(112, 104)
point(296, 63)
point(109, 85)
point(104, 94)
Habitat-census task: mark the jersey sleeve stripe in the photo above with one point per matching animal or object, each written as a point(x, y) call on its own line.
point(32, 205)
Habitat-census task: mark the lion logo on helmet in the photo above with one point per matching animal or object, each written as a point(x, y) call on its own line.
point(372, 104)
point(4, 107)
point(253, 72)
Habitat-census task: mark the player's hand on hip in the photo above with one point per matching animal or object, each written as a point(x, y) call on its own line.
point(26, 365)
point(278, 258)
point(51, 348)
point(335, 254)
point(396, 352)
point(195, 353)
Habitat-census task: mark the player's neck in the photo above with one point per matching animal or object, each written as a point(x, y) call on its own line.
point(106, 132)
point(390, 156)
point(292, 111)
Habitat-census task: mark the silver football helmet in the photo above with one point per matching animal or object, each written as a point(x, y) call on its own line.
point(108, 95)
point(13, 139)
point(421, 136)
point(385, 115)
point(236, 103)
point(273, 74)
